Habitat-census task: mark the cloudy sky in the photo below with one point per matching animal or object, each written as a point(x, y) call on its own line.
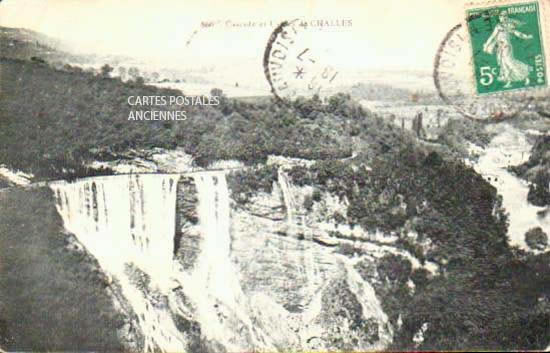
point(389, 33)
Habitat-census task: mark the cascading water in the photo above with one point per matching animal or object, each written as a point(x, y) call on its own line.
point(287, 195)
point(290, 205)
point(127, 222)
point(363, 290)
point(214, 268)
point(214, 285)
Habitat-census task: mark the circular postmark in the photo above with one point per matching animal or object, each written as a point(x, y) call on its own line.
point(455, 78)
point(293, 67)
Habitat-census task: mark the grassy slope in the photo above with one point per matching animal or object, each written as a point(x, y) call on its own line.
point(50, 297)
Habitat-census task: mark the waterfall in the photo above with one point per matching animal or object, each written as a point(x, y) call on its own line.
point(213, 210)
point(214, 284)
point(287, 195)
point(127, 222)
point(307, 258)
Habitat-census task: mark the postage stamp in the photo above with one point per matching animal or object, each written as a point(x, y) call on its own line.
point(455, 83)
point(494, 64)
point(507, 45)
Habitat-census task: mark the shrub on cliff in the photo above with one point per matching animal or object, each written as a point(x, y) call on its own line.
point(244, 184)
point(394, 268)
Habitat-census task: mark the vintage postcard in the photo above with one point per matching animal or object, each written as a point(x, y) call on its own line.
point(258, 176)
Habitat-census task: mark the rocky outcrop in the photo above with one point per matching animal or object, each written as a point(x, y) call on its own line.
point(188, 234)
point(296, 266)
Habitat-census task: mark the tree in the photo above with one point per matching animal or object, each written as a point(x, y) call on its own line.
point(216, 92)
point(536, 239)
point(420, 277)
point(133, 72)
point(122, 73)
point(338, 101)
point(106, 70)
point(155, 77)
point(394, 267)
point(308, 202)
point(539, 191)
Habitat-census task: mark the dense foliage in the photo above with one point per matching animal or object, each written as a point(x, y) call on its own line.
point(54, 121)
point(245, 184)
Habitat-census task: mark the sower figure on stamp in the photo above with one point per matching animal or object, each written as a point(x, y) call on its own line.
point(511, 69)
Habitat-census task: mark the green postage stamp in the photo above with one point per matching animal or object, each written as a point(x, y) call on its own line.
point(508, 45)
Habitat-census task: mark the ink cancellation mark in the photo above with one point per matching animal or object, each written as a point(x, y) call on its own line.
point(455, 81)
point(292, 67)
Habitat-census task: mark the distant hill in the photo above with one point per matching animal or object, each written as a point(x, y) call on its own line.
point(24, 44)
point(20, 43)
point(237, 79)
point(378, 91)
point(27, 35)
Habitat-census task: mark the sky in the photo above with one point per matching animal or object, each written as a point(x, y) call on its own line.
point(382, 34)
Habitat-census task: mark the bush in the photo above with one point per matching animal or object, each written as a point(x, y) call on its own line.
point(420, 277)
point(338, 218)
point(246, 183)
point(395, 268)
point(539, 191)
point(348, 250)
point(316, 195)
point(536, 239)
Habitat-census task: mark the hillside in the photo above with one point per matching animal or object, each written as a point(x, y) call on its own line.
point(20, 43)
point(47, 285)
point(444, 213)
point(78, 117)
point(349, 202)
